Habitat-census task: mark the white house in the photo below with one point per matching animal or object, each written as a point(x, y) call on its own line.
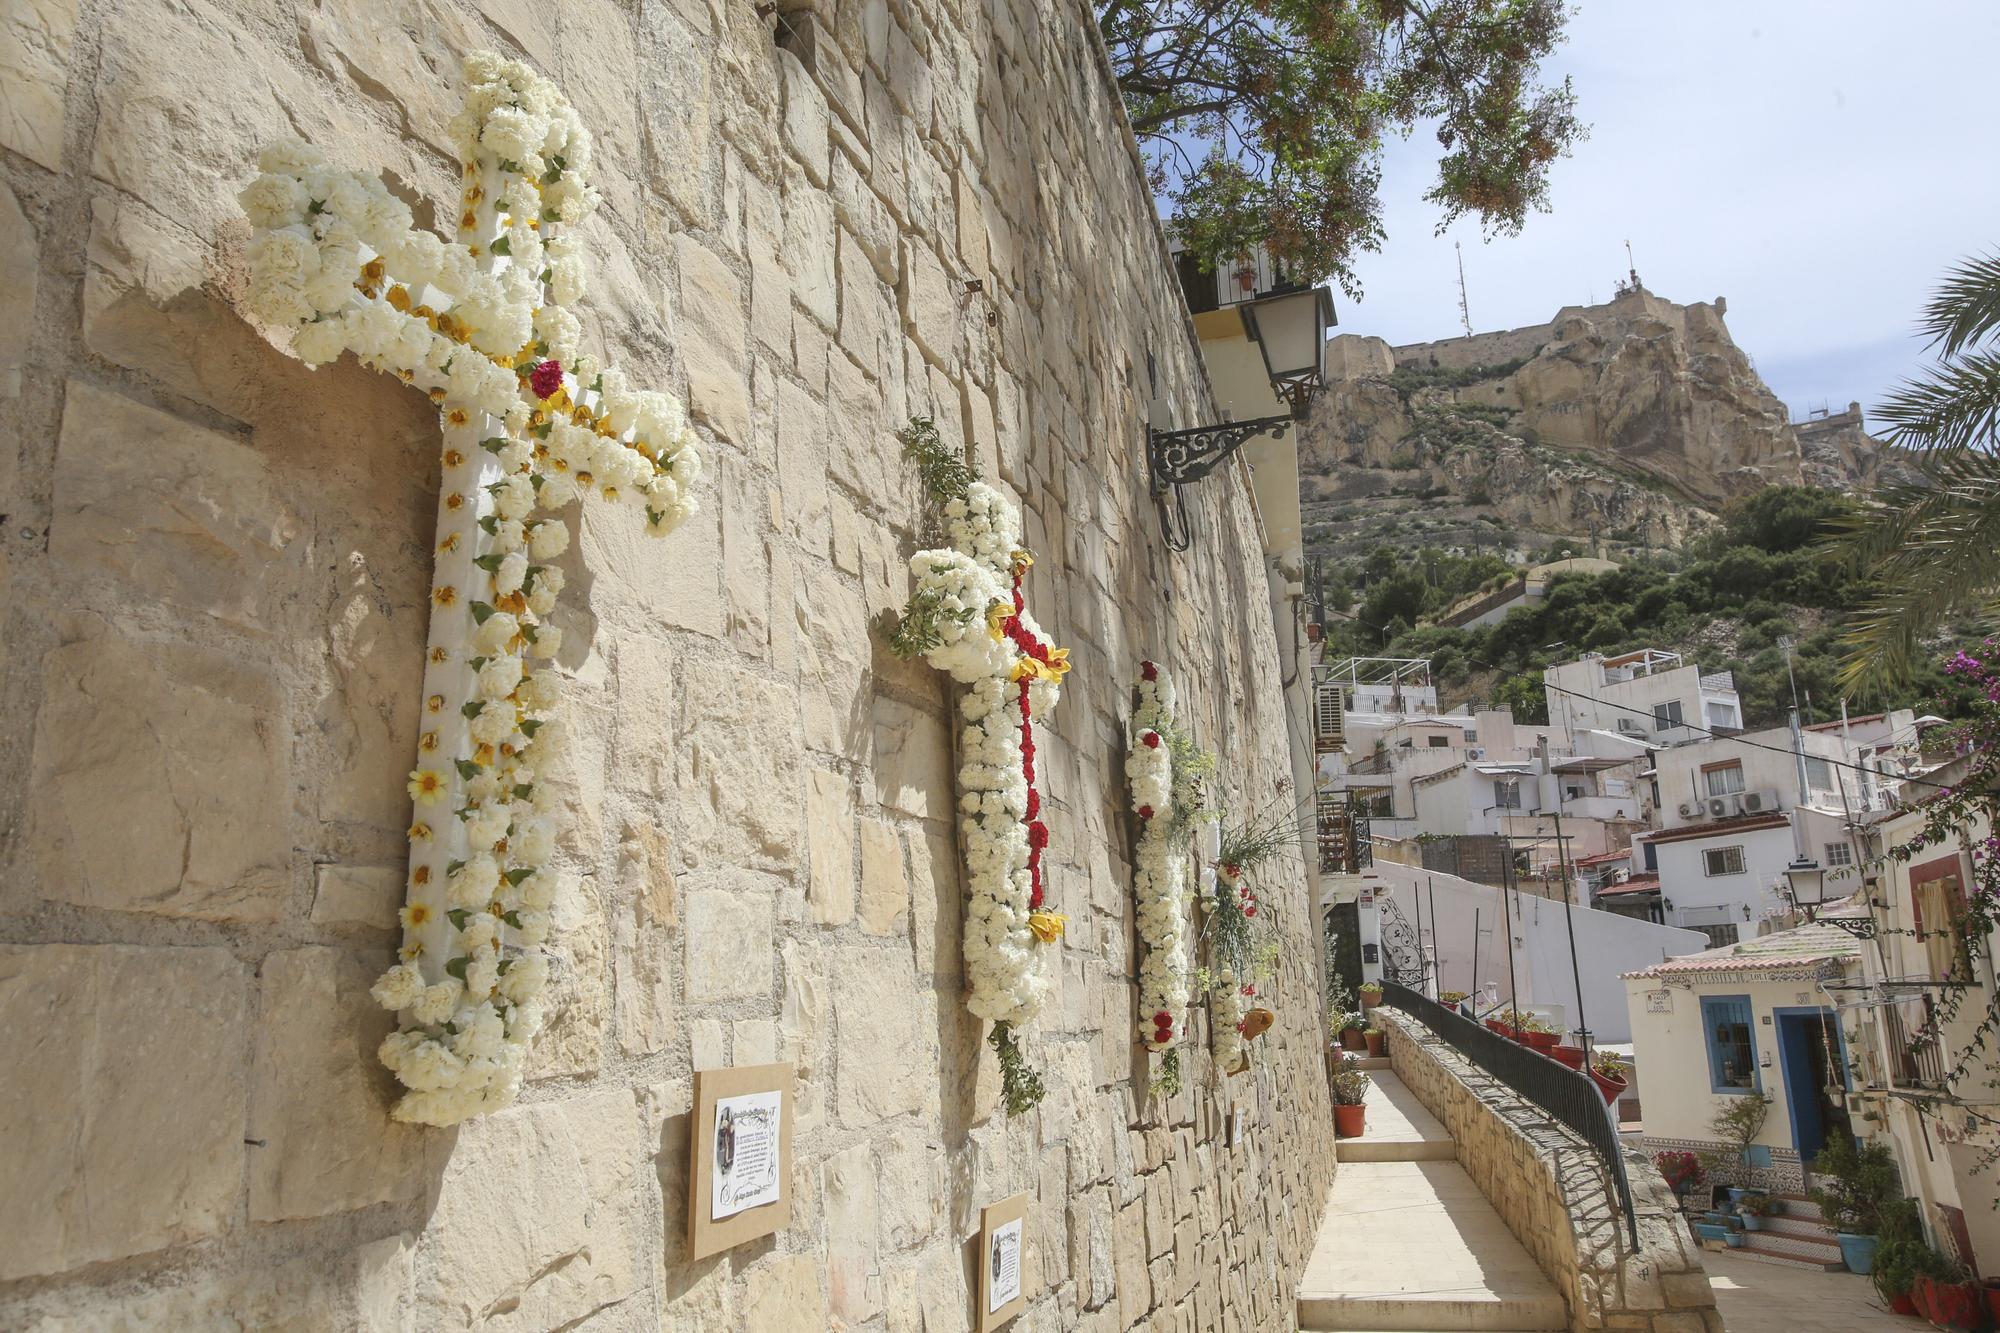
point(1747, 1018)
point(1647, 695)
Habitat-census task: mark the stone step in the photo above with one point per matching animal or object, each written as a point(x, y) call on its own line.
point(1409, 1246)
point(1398, 1128)
point(1797, 1228)
point(1790, 1260)
point(1821, 1251)
point(1799, 1208)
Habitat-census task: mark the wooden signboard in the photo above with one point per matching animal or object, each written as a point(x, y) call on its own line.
point(1002, 1252)
point(740, 1150)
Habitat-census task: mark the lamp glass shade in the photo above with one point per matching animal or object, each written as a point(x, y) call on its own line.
point(1290, 330)
point(1807, 882)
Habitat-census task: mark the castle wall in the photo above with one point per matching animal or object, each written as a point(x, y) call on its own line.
point(216, 567)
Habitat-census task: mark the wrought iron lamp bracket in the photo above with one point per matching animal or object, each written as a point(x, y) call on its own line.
point(1179, 457)
point(1860, 927)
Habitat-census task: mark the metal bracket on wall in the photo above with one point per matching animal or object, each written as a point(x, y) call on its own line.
point(1176, 458)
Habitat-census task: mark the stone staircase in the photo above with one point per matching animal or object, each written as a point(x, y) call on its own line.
point(1409, 1244)
point(1798, 1239)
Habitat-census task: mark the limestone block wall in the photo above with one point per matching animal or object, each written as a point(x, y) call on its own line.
point(1558, 1201)
point(215, 566)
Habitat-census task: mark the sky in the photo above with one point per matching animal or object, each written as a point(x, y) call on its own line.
point(1820, 163)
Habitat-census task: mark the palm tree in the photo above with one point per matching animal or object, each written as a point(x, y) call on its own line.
point(1932, 547)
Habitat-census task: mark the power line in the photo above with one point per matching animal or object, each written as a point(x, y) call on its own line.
point(1688, 726)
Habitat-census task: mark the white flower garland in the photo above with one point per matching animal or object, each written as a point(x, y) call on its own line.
point(1160, 881)
point(1225, 1016)
point(986, 639)
point(530, 422)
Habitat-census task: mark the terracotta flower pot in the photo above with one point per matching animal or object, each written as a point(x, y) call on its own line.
point(1369, 1002)
point(1495, 1025)
point(1349, 1121)
point(1611, 1088)
point(1542, 1041)
point(1958, 1306)
point(1901, 1303)
point(1569, 1055)
point(1374, 1040)
point(1993, 1299)
point(1350, 1040)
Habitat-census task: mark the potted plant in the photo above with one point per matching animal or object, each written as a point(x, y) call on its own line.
point(1680, 1169)
point(1451, 999)
point(1373, 1037)
point(1350, 1093)
point(1858, 1182)
point(1540, 1034)
point(1371, 995)
point(1351, 1025)
point(1736, 1239)
point(1569, 1055)
point(1608, 1073)
point(1498, 1023)
point(1947, 1295)
point(1754, 1209)
point(1902, 1256)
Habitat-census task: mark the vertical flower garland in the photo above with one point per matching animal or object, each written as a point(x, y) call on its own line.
point(529, 423)
point(1241, 944)
point(1160, 880)
point(1226, 1018)
point(967, 616)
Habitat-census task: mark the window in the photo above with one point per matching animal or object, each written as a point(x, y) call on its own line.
point(1507, 793)
point(1718, 935)
point(1438, 742)
point(1839, 854)
point(1732, 1049)
point(1667, 715)
point(1937, 892)
point(1723, 779)
point(1722, 861)
point(1819, 773)
point(1382, 805)
point(1721, 715)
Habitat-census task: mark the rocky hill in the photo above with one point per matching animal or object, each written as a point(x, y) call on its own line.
point(1611, 428)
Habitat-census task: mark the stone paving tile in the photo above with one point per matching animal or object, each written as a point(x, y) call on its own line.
point(1772, 1298)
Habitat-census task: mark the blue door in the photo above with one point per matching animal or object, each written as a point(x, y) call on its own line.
point(1809, 1052)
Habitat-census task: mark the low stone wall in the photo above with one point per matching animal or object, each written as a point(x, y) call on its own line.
point(1549, 1188)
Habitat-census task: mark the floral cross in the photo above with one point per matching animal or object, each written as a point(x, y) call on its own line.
point(481, 325)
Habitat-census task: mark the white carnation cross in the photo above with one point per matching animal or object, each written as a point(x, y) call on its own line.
point(480, 324)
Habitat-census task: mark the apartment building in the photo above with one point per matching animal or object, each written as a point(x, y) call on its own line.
point(1647, 696)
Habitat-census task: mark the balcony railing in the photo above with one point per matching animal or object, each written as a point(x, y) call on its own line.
point(1344, 845)
point(1916, 1055)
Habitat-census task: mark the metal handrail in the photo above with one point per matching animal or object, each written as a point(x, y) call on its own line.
point(1567, 1095)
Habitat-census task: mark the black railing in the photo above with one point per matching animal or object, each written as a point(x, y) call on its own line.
point(1567, 1095)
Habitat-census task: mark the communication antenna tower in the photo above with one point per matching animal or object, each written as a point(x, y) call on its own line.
point(1631, 267)
point(1464, 311)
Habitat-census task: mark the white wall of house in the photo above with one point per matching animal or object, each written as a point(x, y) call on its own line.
point(1671, 1052)
point(1666, 705)
point(1691, 777)
point(1701, 897)
point(1606, 945)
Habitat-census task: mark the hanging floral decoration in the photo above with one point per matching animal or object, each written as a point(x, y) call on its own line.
point(1165, 770)
point(967, 616)
point(530, 421)
point(1242, 940)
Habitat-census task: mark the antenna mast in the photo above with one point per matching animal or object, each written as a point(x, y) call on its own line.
point(1632, 267)
point(1464, 311)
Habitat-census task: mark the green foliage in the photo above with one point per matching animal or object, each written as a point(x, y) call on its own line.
point(1167, 1081)
point(1264, 120)
point(943, 471)
point(1931, 545)
point(1859, 1184)
point(1736, 1125)
point(1020, 1086)
point(1767, 569)
point(923, 621)
point(1350, 1084)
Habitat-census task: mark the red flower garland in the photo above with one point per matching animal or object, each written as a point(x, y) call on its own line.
point(1038, 832)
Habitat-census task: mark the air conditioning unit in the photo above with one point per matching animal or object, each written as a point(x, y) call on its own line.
point(1691, 810)
point(1759, 802)
point(1718, 806)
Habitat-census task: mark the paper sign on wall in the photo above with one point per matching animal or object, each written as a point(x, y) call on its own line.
point(1002, 1232)
point(740, 1156)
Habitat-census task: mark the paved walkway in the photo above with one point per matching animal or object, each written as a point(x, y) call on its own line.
point(1409, 1242)
point(1770, 1298)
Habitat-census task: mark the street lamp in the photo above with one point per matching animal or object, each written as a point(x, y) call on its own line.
point(1807, 884)
point(1290, 330)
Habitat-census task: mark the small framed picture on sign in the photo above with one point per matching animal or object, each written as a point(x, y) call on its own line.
point(741, 1156)
point(1002, 1239)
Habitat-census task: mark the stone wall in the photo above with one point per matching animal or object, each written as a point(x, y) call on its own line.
point(1559, 1202)
point(216, 567)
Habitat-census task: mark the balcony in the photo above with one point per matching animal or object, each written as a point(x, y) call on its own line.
point(1344, 844)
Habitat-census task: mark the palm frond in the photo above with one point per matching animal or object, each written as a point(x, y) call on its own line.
point(1955, 405)
point(1966, 308)
point(1933, 550)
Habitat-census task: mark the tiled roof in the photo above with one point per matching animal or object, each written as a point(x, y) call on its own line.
point(1794, 949)
point(1636, 884)
point(1622, 854)
point(1740, 824)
